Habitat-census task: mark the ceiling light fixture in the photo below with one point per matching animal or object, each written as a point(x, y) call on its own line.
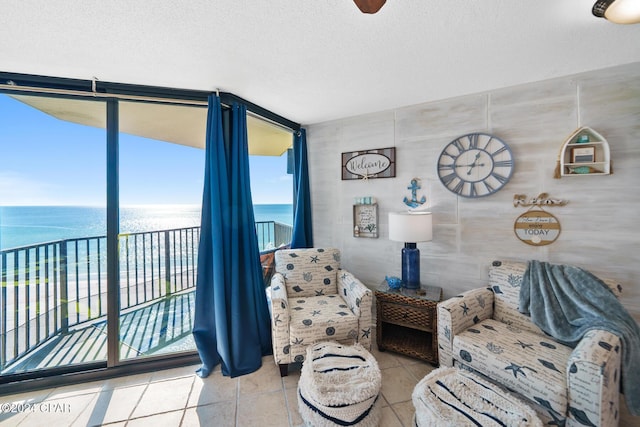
point(369, 6)
point(618, 11)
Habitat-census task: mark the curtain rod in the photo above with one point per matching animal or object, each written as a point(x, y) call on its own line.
point(85, 94)
point(98, 89)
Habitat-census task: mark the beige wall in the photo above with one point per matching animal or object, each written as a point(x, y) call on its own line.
point(600, 225)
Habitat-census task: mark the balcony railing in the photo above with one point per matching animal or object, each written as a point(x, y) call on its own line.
point(50, 288)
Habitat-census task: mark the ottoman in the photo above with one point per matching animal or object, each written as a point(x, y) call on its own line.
point(455, 397)
point(339, 386)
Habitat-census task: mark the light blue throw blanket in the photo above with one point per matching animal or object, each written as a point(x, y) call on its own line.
point(566, 302)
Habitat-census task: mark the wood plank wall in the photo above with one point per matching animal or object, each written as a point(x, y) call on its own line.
point(600, 225)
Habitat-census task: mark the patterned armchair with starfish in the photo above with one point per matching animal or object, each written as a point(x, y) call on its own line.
point(313, 300)
point(483, 331)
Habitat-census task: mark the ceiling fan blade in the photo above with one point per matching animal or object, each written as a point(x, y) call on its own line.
point(369, 6)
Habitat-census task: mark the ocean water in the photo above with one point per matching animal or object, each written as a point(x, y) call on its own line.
point(27, 225)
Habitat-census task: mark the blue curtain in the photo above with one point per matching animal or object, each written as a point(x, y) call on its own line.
point(231, 325)
point(302, 230)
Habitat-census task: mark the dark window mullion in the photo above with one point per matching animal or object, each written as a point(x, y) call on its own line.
point(113, 209)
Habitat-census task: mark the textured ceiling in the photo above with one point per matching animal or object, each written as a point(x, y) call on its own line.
point(314, 60)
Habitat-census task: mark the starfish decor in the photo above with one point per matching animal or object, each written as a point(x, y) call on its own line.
point(365, 176)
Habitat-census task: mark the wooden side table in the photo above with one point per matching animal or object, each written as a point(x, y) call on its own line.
point(406, 321)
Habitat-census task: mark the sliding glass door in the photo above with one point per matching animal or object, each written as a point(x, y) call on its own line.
point(54, 256)
point(100, 203)
point(161, 180)
point(52, 233)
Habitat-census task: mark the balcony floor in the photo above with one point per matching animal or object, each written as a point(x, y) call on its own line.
point(163, 326)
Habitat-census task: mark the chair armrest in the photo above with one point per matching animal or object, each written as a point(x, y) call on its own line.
point(457, 314)
point(359, 298)
point(593, 378)
point(279, 319)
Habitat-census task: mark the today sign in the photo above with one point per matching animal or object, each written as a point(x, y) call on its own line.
point(537, 228)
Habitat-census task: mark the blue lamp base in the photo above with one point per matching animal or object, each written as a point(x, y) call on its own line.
point(411, 266)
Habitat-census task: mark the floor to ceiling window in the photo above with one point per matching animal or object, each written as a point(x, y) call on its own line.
point(52, 233)
point(271, 170)
point(92, 282)
point(161, 172)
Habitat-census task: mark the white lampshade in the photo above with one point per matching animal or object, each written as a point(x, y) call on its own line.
point(410, 227)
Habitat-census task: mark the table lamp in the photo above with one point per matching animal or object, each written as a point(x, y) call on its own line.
point(410, 228)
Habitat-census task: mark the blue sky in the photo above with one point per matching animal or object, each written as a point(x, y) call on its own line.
point(46, 161)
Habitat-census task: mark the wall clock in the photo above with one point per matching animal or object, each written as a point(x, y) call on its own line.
point(475, 165)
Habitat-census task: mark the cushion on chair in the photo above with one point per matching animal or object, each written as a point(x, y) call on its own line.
point(530, 364)
point(321, 318)
point(309, 272)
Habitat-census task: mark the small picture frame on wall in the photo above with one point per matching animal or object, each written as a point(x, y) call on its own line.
point(583, 155)
point(365, 220)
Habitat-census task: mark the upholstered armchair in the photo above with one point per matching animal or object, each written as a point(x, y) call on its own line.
point(313, 300)
point(482, 330)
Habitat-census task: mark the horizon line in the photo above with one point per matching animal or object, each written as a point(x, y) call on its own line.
point(124, 206)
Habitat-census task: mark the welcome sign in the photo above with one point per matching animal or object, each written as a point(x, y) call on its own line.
point(368, 164)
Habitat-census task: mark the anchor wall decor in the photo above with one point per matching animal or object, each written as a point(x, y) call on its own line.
point(414, 202)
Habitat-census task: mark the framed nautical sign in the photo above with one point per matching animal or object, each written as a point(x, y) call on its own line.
point(537, 227)
point(369, 164)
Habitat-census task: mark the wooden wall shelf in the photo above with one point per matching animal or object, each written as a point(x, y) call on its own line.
point(585, 153)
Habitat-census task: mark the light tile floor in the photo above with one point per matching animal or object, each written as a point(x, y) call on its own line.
point(177, 397)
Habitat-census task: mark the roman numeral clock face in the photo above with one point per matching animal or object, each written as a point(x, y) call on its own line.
point(475, 165)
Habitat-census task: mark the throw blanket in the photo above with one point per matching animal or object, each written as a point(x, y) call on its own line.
point(566, 302)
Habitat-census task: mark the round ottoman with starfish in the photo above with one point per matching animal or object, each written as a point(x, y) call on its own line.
point(339, 386)
point(455, 398)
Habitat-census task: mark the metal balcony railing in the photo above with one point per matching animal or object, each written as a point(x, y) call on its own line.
point(49, 288)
